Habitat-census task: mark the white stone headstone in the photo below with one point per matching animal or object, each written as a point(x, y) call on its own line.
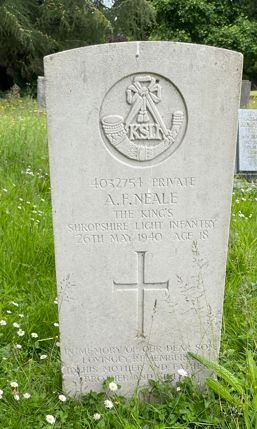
point(142, 145)
point(41, 98)
point(247, 140)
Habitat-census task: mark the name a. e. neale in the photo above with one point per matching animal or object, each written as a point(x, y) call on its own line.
point(147, 198)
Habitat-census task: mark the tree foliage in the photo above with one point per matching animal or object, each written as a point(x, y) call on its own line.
point(230, 24)
point(21, 43)
point(132, 18)
point(30, 29)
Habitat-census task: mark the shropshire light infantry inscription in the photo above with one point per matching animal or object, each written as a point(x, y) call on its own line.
point(141, 141)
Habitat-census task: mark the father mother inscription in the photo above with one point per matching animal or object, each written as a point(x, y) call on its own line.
point(142, 144)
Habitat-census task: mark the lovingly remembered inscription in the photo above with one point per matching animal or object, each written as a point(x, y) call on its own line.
point(149, 127)
point(132, 362)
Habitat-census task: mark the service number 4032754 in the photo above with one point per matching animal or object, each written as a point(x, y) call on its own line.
point(117, 182)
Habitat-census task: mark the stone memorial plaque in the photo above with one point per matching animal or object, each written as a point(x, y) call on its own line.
point(41, 98)
point(245, 93)
point(247, 140)
point(142, 144)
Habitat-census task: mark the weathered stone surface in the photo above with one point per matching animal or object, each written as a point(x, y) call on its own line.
point(41, 97)
point(142, 146)
point(247, 141)
point(245, 93)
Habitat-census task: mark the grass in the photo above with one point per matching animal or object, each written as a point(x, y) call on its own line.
point(253, 100)
point(28, 299)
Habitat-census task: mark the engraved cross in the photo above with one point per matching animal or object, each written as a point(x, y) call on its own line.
point(141, 286)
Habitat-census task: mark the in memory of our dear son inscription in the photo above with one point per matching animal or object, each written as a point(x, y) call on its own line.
point(142, 143)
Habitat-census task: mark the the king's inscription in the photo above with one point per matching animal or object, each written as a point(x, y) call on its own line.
point(151, 125)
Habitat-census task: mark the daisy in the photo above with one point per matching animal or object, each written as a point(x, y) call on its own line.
point(62, 398)
point(113, 386)
point(108, 404)
point(96, 416)
point(182, 372)
point(50, 419)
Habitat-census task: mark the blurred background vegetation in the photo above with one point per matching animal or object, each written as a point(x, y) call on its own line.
point(31, 29)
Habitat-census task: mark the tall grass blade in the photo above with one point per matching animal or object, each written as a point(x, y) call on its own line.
point(252, 367)
point(222, 391)
point(220, 371)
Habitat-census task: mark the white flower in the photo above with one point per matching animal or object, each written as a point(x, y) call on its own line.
point(50, 419)
point(20, 332)
point(1, 392)
point(16, 325)
point(14, 384)
point(108, 404)
point(182, 372)
point(3, 322)
point(18, 346)
point(96, 416)
point(113, 386)
point(56, 301)
point(26, 395)
point(178, 389)
point(16, 397)
point(62, 398)
point(56, 324)
point(8, 312)
point(15, 304)
point(43, 357)
point(21, 315)
point(34, 335)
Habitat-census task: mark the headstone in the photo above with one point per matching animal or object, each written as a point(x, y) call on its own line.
point(41, 99)
point(247, 140)
point(245, 93)
point(142, 145)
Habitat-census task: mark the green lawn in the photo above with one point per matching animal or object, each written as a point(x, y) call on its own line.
point(253, 100)
point(29, 349)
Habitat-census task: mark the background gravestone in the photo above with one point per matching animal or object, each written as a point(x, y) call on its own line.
point(247, 140)
point(142, 145)
point(41, 98)
point(245, 93)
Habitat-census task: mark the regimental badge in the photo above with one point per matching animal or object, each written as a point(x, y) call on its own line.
point(146, 131)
